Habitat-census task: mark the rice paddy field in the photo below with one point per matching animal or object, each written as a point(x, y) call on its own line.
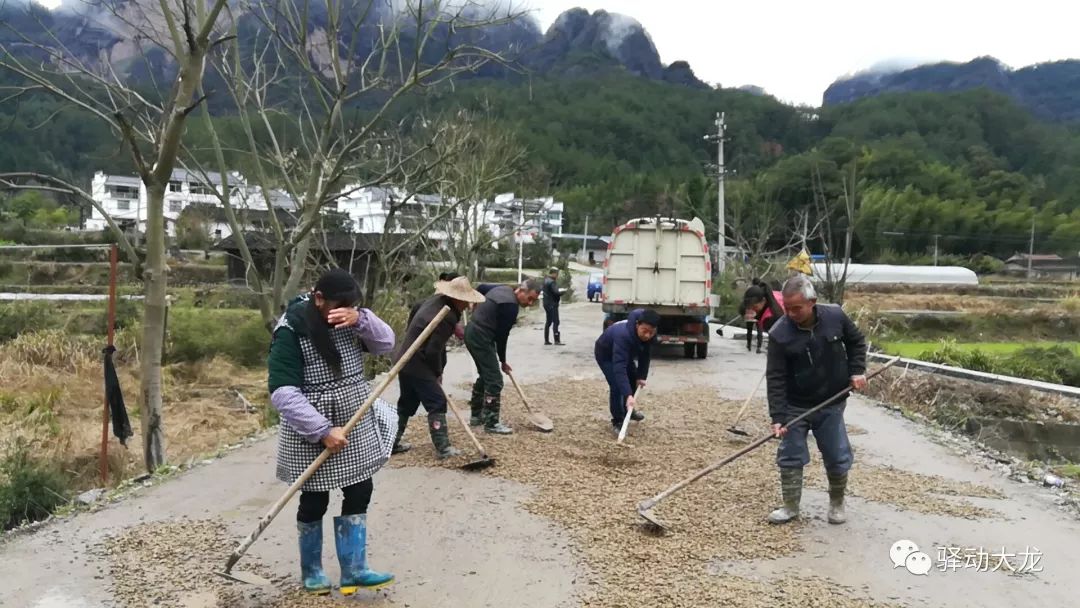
point(915, 349)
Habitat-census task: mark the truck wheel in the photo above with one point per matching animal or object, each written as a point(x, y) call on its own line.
point(688, 351)
point(702, 350)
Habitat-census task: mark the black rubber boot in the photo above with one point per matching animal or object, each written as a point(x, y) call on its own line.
point(400, 447)
point(558, 339)
point(440, 438)
point(492, 405)
point(476, 405)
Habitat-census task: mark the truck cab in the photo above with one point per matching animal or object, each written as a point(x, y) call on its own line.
point(662, 264)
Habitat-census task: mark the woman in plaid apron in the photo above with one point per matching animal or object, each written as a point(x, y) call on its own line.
point(316, 381)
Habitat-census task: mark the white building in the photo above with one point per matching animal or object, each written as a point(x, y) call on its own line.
point(525, 219)
point(124, 198)
point(506, 217)
point(369, 209)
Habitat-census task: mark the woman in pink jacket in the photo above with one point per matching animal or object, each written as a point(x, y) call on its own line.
point(762, 307)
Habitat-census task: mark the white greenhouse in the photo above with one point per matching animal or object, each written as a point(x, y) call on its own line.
point(901, 275)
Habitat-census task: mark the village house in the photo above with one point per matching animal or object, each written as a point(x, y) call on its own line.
point(525, 219)
point(1044, 266)
point(591, 250)
point(124, 198)
point(506, 216)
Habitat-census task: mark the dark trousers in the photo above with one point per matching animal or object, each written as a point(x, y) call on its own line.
point(616, 398)
point(313, 504)
point(750, 325)
point(417, 391)
point(830, 433)
point(486, 357)
point(551, 320)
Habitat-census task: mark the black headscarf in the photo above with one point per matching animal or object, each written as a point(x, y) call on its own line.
point(336, 285)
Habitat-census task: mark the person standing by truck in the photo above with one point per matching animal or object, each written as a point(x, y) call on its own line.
point(552, 295)
point(623, 353)
point(486, 336)
point(815, 351)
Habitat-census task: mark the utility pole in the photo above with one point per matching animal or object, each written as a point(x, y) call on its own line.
point(585, 241)
point(936, 248)
point(718, 137)
point(1031, 247)
point(521, 239)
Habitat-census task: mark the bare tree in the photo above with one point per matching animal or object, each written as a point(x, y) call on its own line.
point(762, 230)
point(490, 158)
point(836, 215)
point(298, 97)
point(150, 126)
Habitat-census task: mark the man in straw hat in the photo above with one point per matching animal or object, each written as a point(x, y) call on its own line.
point(420, 379)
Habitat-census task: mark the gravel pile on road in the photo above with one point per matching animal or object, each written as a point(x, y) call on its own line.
point(591, 486)
point(172, 564)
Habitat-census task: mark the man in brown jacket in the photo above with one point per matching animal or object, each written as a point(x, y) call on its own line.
point(420, 379)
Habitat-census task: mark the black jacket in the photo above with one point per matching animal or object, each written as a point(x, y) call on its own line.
point(551, 293)
point(430, 359)
point(496, 315)
point(807, 366)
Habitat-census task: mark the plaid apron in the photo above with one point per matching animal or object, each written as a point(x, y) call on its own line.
point(337, 399)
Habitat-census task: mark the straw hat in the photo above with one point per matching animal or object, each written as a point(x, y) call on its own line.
point(459, 289)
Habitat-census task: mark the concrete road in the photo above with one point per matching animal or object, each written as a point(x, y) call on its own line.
point(435, 554)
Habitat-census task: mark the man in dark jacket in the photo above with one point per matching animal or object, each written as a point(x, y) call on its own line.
point(486, 336)
point(420, 379)
point(815, 351)
point(552, 295)
point(623, 354)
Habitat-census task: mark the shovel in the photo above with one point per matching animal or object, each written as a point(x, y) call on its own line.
point(264, 522)
point(732, 429)
point(720, 331)
point(484, 461)
point(644, 507)
point(539, 421)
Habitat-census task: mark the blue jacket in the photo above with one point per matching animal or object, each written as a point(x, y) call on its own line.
point(620, 346)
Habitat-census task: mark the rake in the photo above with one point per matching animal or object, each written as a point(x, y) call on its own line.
point(264, 521)
point(652, 524)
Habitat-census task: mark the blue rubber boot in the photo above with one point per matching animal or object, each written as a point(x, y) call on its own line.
point(350, 534)
point(311, 570)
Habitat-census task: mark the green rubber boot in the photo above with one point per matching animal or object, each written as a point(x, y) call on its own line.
point(837, 488)
point(440, 437)
point(791, 482)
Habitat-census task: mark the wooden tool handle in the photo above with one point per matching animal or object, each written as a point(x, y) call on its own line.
point(465, 423)
point(281, 502)
point(520, 393)
point(648, 504)
point(749, 398)
point(626, 419)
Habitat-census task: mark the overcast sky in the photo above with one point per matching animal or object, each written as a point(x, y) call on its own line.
point(796, 49)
